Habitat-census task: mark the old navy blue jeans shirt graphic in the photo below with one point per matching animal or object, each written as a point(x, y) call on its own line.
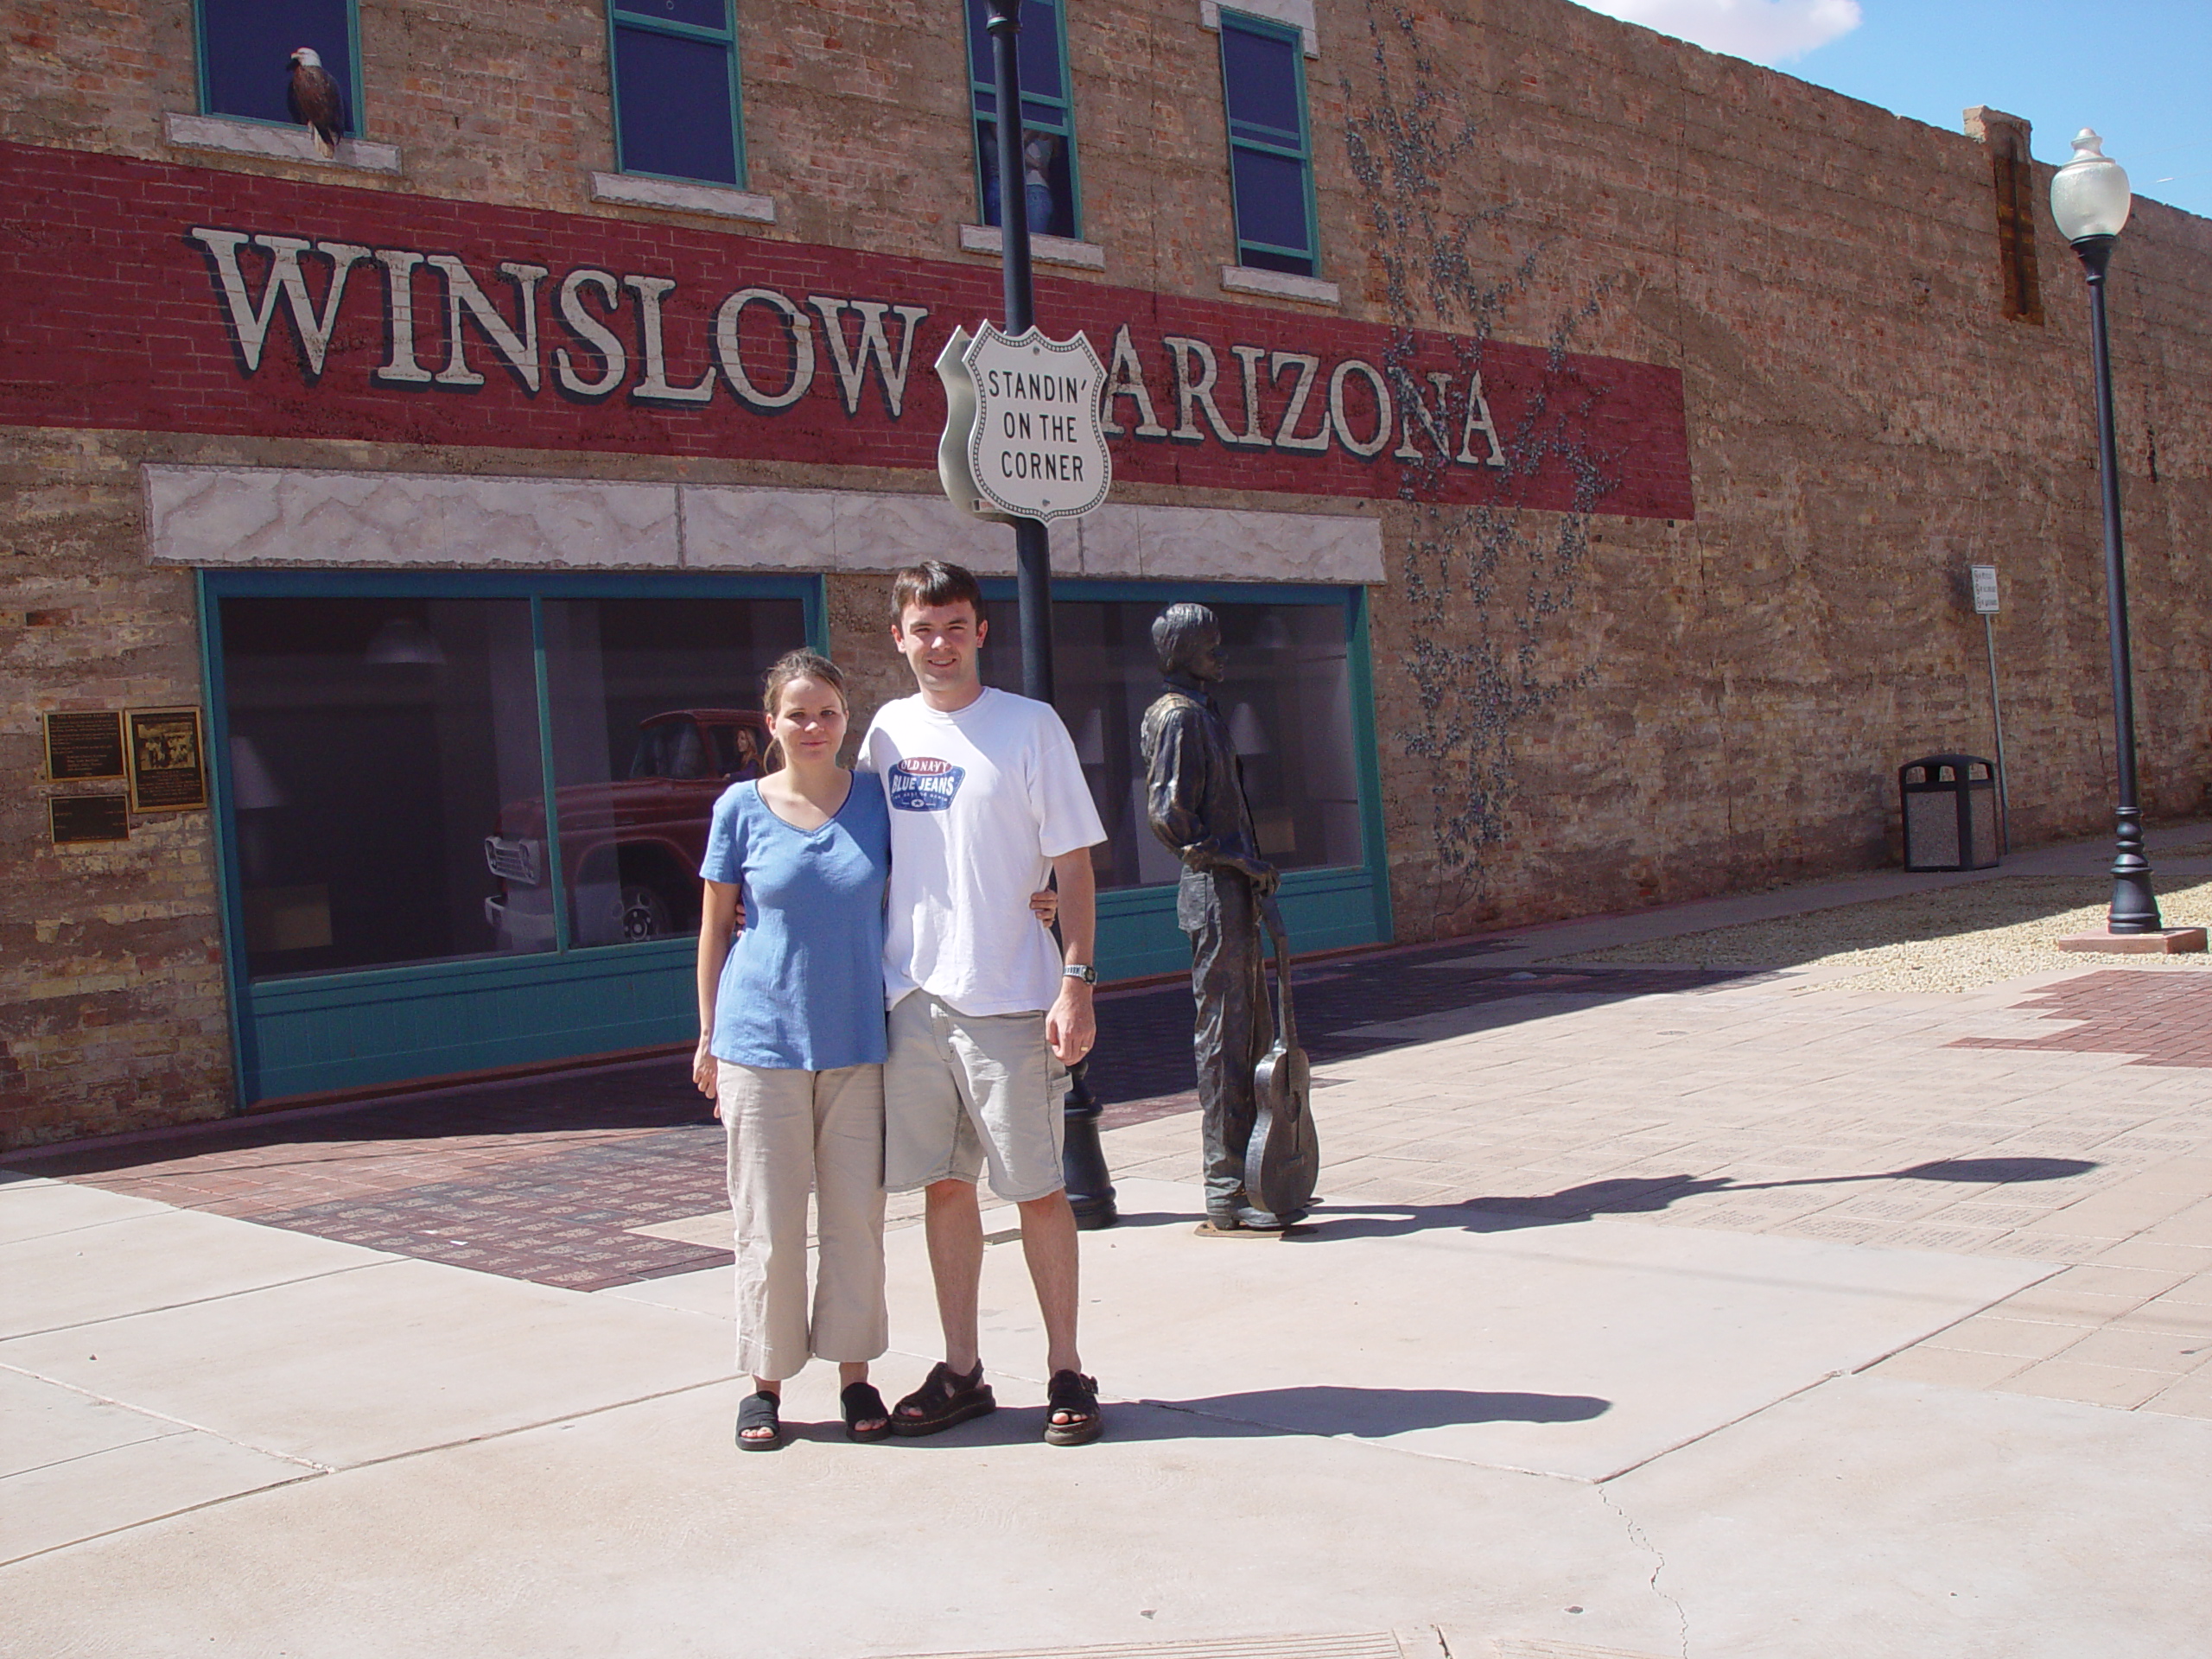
point(922, 783)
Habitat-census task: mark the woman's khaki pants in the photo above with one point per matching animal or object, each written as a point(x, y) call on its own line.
point(791, 1131)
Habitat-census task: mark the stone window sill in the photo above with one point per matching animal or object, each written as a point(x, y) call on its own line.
point(1279, 285)
point(274, 143)
point(719, 200)
point(1042, 250)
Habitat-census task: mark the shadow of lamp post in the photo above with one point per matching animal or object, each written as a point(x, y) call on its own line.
point(2090, 200)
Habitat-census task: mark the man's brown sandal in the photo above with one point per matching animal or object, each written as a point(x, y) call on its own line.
point(944, 1398)
point(1073, 1395)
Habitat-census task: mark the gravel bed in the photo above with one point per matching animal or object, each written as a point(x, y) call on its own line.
point(1958, 938)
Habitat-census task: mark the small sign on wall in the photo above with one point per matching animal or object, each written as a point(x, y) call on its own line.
point(84, 820)
point(168, 763)
point(1984, 579)
point(83, 747)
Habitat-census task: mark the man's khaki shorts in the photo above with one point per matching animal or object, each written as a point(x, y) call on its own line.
point(961, 1091)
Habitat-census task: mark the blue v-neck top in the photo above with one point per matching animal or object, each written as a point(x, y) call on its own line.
point(803, 987)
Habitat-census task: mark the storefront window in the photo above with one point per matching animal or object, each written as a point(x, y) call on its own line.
point(371, 744)
point(1286, 697)
point(389, 789)
point(656, 711)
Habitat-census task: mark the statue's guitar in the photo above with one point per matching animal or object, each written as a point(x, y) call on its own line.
point(1284, 1159)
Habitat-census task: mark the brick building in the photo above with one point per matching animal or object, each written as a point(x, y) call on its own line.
point(1582, 436)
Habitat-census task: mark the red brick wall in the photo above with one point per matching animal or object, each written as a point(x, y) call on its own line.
point(135, 332)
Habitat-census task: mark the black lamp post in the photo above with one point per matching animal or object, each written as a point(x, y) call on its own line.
point(1082, 1162)
point(2090, 200)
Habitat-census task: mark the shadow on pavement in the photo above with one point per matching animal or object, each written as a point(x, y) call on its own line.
point(1319, 1409)
point(1638, 1195)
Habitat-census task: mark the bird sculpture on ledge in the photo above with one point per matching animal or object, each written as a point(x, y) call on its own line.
point(314, 101)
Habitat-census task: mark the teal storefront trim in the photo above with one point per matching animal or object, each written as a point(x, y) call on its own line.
point(310, 1033)
point(1329, 909)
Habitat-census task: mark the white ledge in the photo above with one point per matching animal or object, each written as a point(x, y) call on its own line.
point(276, 143)
point(719, 200)
point(1278, 284)
point(271, 516)
point(1046, 250)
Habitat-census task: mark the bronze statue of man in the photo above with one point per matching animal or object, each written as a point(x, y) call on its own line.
point(1194, 797)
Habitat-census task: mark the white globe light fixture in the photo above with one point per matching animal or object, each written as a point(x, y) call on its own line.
point(2089, 200)
point(2089, 195)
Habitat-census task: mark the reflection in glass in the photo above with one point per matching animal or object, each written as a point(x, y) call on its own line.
point(655, 707)
point(371, 743)
point(1286, 697)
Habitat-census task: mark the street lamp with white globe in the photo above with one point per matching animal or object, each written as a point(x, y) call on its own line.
point(2090, 200)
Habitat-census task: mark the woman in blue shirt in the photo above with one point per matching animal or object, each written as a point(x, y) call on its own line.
point(790, 1049)
point(792, 1044)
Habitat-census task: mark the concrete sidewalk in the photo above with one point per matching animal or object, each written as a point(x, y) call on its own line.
point(1731, 1316)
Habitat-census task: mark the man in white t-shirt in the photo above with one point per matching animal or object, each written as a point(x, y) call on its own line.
point(987, 1011)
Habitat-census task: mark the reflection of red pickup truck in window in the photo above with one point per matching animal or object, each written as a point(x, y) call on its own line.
point(629, 848)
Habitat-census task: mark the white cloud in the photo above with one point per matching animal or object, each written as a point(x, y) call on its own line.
point(1765, 31)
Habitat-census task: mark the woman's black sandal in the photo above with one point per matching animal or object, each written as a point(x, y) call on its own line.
point(863, 1404)
point(1076, 1395)
point(758, 1411)
point(944, 1398)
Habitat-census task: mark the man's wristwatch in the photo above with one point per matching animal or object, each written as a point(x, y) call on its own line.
point(1083, 972)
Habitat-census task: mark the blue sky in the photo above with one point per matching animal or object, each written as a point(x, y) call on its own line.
point(2137, 71)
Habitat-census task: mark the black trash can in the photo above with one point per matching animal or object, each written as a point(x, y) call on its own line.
point(1949, 807)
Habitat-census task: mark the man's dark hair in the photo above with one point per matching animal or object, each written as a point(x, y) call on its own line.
point(1179, 631)
point(934, 582)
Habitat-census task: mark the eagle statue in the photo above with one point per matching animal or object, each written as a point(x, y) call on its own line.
point(312, 98)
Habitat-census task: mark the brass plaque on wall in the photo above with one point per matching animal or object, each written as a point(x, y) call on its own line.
point(79, 746)
point(169, 765)
point(78, 820)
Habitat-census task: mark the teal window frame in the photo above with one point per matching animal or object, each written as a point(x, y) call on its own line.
point(1326, 908)
point(982, 83)
point(1271, 141)
point(314, 1033)
point(356, 111)
point(619, 16)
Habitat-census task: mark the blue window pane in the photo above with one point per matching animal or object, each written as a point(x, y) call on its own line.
point(700, 14)
point(1040, 51)
point(675, 100)
point(979, 41)
point(1270, 199)
point(248, 47)
point(1037, 46)
point(1261, 72)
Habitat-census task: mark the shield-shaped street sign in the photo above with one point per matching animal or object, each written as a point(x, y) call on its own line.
point(1023, 436)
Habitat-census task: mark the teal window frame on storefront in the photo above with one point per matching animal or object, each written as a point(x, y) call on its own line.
point(356, 1029)
point(1329, 908)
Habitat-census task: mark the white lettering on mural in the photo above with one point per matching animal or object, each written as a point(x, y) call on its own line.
point(1125, 378)
point(519, 349)
point(654, 388)
point(400, 367)
point(602, 340)
point(798, 335)
point(647, 333)
point(250, 323)
point(852, 367)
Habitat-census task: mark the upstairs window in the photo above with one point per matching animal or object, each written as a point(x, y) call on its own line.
point(246, 56)
point(676, 97)
point(1047, 119)
point(1270, 150)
